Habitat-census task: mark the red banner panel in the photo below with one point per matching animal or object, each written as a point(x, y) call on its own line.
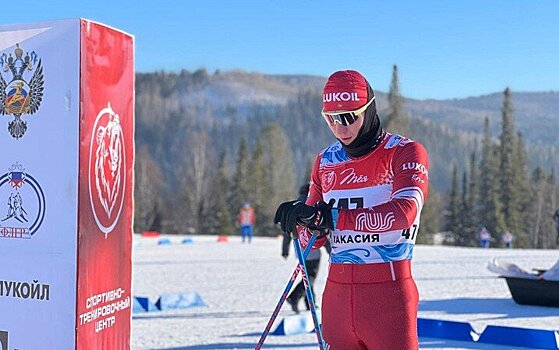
point(105, 207)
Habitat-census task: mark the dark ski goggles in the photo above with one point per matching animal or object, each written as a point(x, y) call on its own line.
point(345, 118)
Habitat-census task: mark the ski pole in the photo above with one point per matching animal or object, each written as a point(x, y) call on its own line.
point(309, 292)
point(283, 296)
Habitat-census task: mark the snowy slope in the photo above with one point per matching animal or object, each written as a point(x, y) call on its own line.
point(242, 283)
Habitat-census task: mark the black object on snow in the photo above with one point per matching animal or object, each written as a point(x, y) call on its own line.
point(534, 291)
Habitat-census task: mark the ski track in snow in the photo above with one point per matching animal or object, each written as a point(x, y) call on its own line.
point(241, 283)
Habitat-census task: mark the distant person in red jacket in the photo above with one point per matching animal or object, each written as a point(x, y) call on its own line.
point(367, 190)
point(246, 219)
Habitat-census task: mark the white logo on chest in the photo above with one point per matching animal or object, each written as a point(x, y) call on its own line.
point(371, 221)
point(350, 177)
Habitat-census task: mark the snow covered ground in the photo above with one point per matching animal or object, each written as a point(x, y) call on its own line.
point(241, 283)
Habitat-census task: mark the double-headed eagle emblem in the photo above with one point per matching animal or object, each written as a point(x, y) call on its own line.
point(17, 96)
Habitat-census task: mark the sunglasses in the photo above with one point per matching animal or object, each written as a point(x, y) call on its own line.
point(345, 118)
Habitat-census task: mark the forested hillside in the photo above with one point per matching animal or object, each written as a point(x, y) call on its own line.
point(177, 113)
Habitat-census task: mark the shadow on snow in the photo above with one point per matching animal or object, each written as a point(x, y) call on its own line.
point(200, 315)
point(505, 308)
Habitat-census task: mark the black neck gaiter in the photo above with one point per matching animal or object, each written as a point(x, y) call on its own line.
point(370, 135)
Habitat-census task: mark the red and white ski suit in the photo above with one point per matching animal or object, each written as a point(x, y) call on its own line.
point(371, 300)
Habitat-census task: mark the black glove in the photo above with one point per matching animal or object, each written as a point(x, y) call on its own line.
point(318, 217)
point(326, 222)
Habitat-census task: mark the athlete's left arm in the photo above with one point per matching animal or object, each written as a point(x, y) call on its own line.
point(410, 166)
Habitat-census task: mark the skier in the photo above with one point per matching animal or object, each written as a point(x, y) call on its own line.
point(375, 184)
point(484, 237)
point(312, 262)
point(507, 238)
point(246, 218)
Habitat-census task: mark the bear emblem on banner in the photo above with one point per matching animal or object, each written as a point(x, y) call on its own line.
point(17, 96)
point(107, 177)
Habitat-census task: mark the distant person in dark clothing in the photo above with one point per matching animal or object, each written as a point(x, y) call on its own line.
point(312, 262)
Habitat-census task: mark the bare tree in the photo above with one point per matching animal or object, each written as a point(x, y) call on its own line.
point(147, 190)
point(196, 171)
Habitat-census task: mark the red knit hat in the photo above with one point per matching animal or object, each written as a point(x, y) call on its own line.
point(345, 90)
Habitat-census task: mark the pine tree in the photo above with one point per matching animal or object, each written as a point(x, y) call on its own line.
point(222, 192)
point(429, 218)
point(542, 208)
point(551, 205)
point(453, 223)
point(537, 215)
point(280, 175)
point(520, 195)
point(506, 170)
point(473, 202)
point(464, 216)
point(491, 214)
point(397, 120)
point(258, 195)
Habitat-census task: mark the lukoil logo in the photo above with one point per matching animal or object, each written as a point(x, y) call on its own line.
point(340, 96)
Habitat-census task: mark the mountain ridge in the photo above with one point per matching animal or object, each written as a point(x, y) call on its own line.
point(232, 105)
point(535, 112)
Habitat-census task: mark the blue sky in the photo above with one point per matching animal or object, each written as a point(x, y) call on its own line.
point(443, 49)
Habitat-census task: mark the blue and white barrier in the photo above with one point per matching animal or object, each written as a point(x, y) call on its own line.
point(500, 335)
point(137, 308)
point(179, 301)
point(297, 324)
point(451, 330)
point(143, 304)
point(445, 329)
point(164, 241)
point(530, 338)
point(167, 302)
